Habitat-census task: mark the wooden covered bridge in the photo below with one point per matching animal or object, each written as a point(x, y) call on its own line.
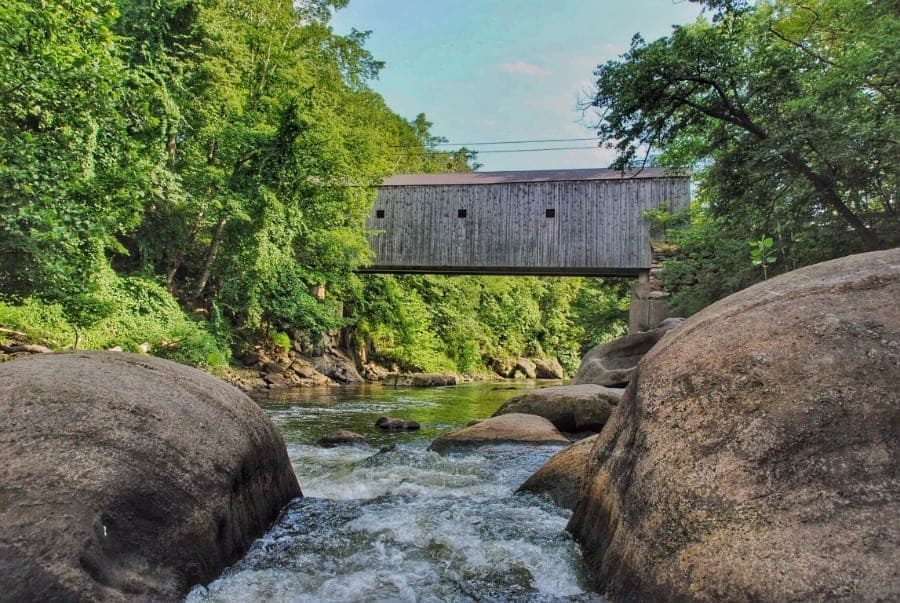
point(559, 222)
point(555, 222)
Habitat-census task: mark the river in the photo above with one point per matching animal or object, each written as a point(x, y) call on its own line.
point(400, 523)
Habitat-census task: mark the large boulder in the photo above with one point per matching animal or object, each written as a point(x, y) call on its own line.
point(613, 363)
point(505, 367)
point(570, 408)
point(524, 367)
point(755, 455)
point(548, 368)
point(515, 428)
point(129, 477)
point(337, 365)
point(564, 475)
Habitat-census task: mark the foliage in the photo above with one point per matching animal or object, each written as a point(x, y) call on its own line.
point(601, 310)
point(709, 263)
point(761, 253)
point(72, 175)
point(140, 315)
point(787, 111)
point(181, 173)
point(465, 323)
point(398, 324)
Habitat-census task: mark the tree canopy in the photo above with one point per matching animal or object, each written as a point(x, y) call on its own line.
point(788, 108)
point(787, 112)
point(219, 157)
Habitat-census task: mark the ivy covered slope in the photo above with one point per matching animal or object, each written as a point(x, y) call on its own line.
point(788, 112)
point(470, 324)
point(174, 176)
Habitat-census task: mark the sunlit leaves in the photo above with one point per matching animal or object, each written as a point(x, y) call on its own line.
point(790, 109)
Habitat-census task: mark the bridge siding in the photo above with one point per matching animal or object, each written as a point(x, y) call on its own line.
point(598, 227)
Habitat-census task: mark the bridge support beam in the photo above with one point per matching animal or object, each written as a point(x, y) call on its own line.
point(649, 304)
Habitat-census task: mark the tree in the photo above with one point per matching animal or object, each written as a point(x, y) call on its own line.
point(73, 171)
point(788, 108)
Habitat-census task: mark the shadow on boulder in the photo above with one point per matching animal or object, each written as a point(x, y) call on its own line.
point(754, 455)
point(129, 477)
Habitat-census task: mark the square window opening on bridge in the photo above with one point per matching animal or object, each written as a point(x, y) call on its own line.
point(379, 213)
point(550, 213)
point(461, 213)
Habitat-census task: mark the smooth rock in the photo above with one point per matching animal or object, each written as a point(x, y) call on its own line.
point(670, 323)
point(548, 368)
point(564, 475)
point(275, 380)
point(505, 367)
point(613, 363)
point(342, 437)
point(129, 477)
point(337, 365)
point(571, 408)
point(524, 368)
point(391, 424)
point(304, 369)
point(374, 372)
point(514, 428)
point(755, 455)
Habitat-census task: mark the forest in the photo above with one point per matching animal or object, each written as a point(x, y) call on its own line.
point(176, 175)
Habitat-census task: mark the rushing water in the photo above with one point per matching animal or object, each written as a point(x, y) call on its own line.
point(399, 523)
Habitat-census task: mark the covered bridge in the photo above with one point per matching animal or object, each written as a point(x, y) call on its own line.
point(554, 222)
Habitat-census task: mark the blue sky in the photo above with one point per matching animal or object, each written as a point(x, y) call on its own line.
point(491, 70)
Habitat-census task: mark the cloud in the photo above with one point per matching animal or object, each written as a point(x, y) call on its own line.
point(523, 68)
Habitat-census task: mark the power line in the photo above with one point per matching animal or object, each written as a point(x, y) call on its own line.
point(536, 150)
point(495, 142)
point(517, 150)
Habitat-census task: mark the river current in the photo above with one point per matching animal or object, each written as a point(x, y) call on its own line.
point(399, 523)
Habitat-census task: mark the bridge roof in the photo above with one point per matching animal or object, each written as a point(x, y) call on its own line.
point(528, 176)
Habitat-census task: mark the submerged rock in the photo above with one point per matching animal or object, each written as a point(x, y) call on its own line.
point(129, 477)
point(571, 408)
point(564, 475)
point(421, 380)
point(342, 437)
point(390, 424)
point(754, 456)
point(515, 428)
point(613, 363)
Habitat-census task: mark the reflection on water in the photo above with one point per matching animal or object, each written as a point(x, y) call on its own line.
point(401, 523)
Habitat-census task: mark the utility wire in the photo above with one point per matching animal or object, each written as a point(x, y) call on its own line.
point(513, 150)
point(466, 144)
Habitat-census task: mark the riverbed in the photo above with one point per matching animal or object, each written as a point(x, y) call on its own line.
point(396, 522)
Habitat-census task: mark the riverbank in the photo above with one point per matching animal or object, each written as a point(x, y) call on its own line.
point(273, 368)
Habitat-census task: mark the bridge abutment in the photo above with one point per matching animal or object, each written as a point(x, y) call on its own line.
point(649, 300)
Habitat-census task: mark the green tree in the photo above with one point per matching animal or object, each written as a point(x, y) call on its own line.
point(73, 172)
point(789, 108)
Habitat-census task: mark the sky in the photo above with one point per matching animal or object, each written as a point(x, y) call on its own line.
point(498, 70)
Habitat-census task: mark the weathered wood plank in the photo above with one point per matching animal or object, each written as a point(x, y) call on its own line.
point(597, 227)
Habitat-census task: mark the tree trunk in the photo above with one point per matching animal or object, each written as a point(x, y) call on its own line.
point(211, 256)
point(211, 152)
point(171, 147)
point(170, 274)
point(830, 195)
